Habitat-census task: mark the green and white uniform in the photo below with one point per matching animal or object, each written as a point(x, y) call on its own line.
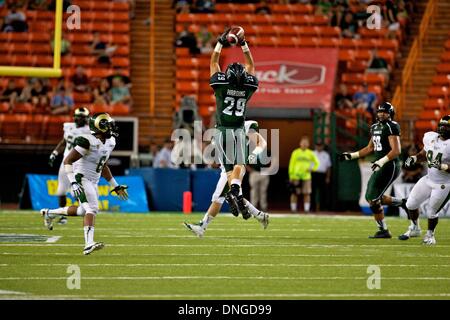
point(231, 108)
point(71, 132)
point(89, 168)
point(222, 185)
point(380, 180)
point(435, 186)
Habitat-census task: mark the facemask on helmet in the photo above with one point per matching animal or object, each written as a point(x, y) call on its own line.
point(80, 117)
point(102, 123)
point(444, 127)
point(387, 108)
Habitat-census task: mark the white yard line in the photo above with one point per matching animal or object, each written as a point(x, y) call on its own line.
point(265, 278)
point(7, 292)
point(346, 265)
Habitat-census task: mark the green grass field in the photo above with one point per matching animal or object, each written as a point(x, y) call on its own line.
point(152, 256)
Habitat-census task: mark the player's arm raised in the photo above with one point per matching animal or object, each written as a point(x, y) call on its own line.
point(221, 42)
point(249, 62)
point(119, 190)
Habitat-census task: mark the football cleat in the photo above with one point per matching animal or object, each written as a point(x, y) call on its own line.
point(62, 220)
point(95, 246)
point(429, 239)
point(232, 204)
point(381, 234)
point(412, 232)
point(195, 229)
point(48, 220)
point(263, 218)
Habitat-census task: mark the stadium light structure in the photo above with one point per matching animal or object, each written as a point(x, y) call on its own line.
point(54, 72)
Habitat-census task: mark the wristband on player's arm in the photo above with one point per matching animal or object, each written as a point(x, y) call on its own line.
point(55, 153)
point(69, 171)
point(245, 47)
point(444, 166)
point(354, 155)
point(113, 183)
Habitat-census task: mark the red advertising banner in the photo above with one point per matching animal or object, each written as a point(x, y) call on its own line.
point(290, 77)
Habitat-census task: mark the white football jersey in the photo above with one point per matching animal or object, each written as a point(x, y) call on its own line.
point(71, 132)
point(94, 158)
point(437, 151)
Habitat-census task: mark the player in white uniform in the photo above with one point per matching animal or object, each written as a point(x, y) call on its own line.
point(84, 165)
point(221, 193)
point(72, 130)
point(435, 186)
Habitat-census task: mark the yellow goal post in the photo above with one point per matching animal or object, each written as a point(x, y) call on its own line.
point(54, 72)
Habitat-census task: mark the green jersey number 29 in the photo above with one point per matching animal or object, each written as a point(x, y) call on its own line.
point(231, 109)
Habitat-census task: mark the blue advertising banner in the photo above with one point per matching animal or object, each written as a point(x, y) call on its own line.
point(43, 189)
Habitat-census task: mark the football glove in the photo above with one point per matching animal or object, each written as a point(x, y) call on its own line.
point(78, 190)
point(121, 192)
point(242, 42)
point(344, 156)
point(52, 158)
point(376, 166)
point(410, 162)
point(223, 38)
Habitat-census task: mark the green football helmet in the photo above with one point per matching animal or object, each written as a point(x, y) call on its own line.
point(102, 123)
point(81, 116)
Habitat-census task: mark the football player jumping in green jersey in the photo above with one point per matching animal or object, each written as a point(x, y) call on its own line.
point(233, 88)
point(385, 144)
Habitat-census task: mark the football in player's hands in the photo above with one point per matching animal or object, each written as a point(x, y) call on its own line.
point(236, 36)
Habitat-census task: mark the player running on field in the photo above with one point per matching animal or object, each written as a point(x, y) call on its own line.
point(221, 193)
point(84, 165)
point(233, 89)
point(385, 144)
point(72, 130)
point(435, 186)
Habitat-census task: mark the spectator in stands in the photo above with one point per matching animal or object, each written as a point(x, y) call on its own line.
point(402, 13)
point(413, 173)
point(10, 94)
point(62, 101)
point(263, 8)
point(15, 20)
point(65, 44)
point(349, 26)
point(119, 73)
point(39, 94)
point(338, 12)
point(364, 99)
point(186, 39)
point(101, 93)
point(79, 80)
point(182, 6)
point(119, 92)
point(205, 39)
point(343, 100)
point(324, 7)
point(204, 6)
point(377, 64)
point(163, 157)
point(102, 50)
point(38, 5)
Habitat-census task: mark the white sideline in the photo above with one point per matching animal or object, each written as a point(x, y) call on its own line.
point(252, 245)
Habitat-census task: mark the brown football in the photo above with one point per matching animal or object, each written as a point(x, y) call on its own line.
point(235, 35)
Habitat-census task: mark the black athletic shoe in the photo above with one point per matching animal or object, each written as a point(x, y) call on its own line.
point(403, 237)
point(232, 203)
point(243, 208)
point(380, 234)
point(403, 206)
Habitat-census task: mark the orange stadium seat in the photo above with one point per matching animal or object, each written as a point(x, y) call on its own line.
point(54, 128)
point(187, 74)
point(443, 68)
point(120, 109)
point(18, 37)
point(359, 66)
point(438, 92)
point(40, 37)
point(187, 87)
point(430, 115)
point(11, 126)
point(182, 52)
point(434, 103)
point(4, 107)
point(81, 97)
point(97, 108)
point(34, 126)
point(445, 57)
point(120, 62)
point(442, 80)
point(447, 45)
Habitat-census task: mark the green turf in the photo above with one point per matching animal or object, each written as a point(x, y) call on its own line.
point(154, 257)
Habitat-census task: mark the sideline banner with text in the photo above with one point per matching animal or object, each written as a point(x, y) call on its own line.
point(42, 190)
point(291, 78)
